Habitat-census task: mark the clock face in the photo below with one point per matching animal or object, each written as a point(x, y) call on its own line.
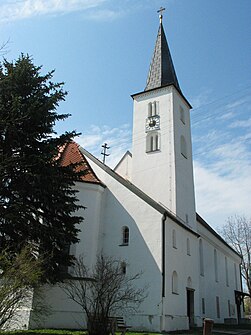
point(153, 123)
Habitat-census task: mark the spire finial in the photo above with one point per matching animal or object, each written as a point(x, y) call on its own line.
point(161, 10)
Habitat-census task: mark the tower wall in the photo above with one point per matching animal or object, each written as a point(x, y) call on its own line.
point(165, 174)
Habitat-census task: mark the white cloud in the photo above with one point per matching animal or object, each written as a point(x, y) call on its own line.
point(223, 183)
point(220, 196)
point(23, 9)
point(241, 123)
point(105, 15)
point(201, 99)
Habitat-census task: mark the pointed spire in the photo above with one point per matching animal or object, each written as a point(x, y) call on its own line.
point(161, 71)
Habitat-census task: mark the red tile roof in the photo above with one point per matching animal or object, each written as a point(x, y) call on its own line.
point(69, 153)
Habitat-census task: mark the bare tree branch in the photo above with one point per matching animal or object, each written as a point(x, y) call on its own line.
point(237, 232)
point(103, 292)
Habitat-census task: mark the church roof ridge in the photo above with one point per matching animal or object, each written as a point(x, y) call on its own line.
point(162, 71)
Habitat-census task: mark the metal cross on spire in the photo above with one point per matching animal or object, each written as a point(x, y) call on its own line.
point(160, 11)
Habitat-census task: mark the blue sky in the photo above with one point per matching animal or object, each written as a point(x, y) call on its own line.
point(102, 49)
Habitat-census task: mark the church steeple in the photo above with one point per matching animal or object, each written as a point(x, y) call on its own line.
point(161, 72)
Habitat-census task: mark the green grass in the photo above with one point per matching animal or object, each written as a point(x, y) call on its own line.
point(60, 332)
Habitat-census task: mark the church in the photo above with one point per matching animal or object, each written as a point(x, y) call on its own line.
point(143, 212)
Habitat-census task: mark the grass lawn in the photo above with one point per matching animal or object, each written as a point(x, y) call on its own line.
point(75, 332)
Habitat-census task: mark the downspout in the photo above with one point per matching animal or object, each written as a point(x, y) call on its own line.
point(163, 269)
point(243, 309)
point(163, 254)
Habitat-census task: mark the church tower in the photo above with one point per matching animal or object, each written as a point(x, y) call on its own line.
point(161, 148)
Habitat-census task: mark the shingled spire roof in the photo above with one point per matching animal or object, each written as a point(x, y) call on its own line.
point(162, 72)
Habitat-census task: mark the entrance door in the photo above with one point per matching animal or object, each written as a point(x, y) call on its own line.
point(190, 306)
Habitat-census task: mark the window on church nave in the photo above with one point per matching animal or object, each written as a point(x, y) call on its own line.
point(183, 146)
point(175, 283)
point(235, 276)
point(218, 307)
point(201, 258)
point(125, 235)
point(123, 268)
point(153, 108)
point(226, 271)
point(216, 265)
point(152, 142)
point(188, 247)
point(174, 240)
point(203, 309)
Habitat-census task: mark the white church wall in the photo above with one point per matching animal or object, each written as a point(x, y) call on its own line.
point(121, 208)
point(218, 282)
point(63, 312)
point(90, 196)
point(124, 167)
point(181, 257)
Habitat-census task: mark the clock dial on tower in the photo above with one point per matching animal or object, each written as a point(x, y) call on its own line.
point(153, 123)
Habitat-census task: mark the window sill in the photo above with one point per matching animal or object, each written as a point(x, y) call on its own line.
point(152, 151)
point(175, 293)
point(124, 245)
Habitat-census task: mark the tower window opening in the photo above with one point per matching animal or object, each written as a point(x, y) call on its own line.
point(152, 142)
point(150, 111)
point(153, 108)
point(183, 146)
point(182, 115)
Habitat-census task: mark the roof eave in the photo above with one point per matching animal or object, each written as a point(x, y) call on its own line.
point(157, 88)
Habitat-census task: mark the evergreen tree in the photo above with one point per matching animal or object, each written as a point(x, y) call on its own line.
point(37, 199)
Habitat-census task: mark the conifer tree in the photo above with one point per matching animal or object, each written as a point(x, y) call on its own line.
point(37, 199)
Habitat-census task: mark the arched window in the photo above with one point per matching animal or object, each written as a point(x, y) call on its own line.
point(156, 142)
point(215, 265)
point(154, 108)
point(235, 276)
point(189, 282)
point(150, 111)
point(218, 307)
point(123, 268)
point(174, 239)
point(125, 235)
point(188, 247)
point(153, 142)
point(183, 146)
point(201, 258)
point(175, 283)
point(226, 270)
